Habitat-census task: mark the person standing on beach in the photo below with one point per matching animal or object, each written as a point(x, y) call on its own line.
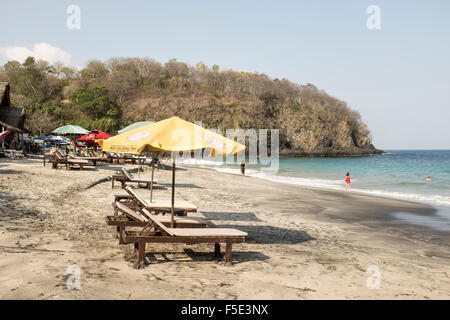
point(243, 165)
point(347, 181)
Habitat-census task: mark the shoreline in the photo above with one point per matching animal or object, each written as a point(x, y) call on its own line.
point(302, 243)
point(331, 154)
point(383, 194)
point(417, 208)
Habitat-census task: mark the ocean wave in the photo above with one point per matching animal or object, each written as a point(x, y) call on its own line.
point(428, 199)
point(338, 185)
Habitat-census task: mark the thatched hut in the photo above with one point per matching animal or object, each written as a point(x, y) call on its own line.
point(11, 118)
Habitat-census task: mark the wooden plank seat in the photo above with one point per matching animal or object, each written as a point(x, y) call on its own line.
point(160, 233)
point(56, 159)
point(131, 178)
point(126, 176)
point(92, 160)
point(163, 205)
point(101, 156)
point(125, 216)
point(70, 163)
point(13, 154)
point(131, 202)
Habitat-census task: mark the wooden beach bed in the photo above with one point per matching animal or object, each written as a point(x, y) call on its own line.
point(101, 157)
point(162, 206)
point(126, 176)
point(92, 160)
point(124, 216)
point(160, 233)
point(58, 158)
point(13, 154)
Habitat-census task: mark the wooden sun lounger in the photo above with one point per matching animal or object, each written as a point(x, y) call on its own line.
point(164, 234)
point(93, 160)
point(127, 177)
point(55, 159)
point(77, 162)
point(130, 217)
point(119, 158)
point(100, 157)
point(162, 206)
point(132, 178)
point(13, 154)
point(58, 158)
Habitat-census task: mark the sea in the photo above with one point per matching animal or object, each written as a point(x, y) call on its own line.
point(398, 174)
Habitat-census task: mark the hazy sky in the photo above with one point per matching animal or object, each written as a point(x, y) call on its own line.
point(398, 76)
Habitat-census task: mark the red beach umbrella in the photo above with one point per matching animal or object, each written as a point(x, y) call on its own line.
point(91, 137)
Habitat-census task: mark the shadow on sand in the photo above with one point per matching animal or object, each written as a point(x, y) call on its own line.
point(181, 185)
point(272, 235)
point(190, 256)
point(11, 210)
point(231, 216)
point(10, 171)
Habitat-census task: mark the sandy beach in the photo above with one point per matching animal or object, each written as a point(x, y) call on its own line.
point(302, 243)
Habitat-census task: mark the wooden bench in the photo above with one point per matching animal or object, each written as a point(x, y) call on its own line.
point(164, 234)
point(13, 154)
point(92, 160)
point(124, 216)
point(133, 179)
point(162, 206)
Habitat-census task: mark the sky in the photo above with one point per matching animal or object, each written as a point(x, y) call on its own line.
point(396, 76)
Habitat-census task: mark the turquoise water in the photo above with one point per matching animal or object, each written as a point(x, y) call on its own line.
point(396, 174)
point(399, 174)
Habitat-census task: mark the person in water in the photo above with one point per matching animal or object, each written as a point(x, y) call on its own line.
point(243, 165)
point(428, 179)
point(347, 181)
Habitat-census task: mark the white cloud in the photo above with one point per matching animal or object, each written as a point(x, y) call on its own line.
point(40, 51)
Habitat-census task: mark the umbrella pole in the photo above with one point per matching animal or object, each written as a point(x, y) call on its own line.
point(172, 220)
point(151, 184)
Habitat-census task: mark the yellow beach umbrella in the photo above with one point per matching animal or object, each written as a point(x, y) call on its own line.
point(173, 134)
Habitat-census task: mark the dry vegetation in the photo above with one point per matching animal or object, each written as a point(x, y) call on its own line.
point(108, 95)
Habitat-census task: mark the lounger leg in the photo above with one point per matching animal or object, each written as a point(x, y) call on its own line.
point(216, 250)
point(112, 186)
point(119, 234)
point(141, 249)
point(228, 253)
point(81, 167)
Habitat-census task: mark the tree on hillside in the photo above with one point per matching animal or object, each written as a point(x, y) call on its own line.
point(97, 110)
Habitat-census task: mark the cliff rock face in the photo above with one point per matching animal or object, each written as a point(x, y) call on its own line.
point(313, 124)
point(305, 130)
point(323, 126)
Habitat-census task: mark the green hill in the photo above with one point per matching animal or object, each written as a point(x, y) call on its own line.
point(109, 95)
